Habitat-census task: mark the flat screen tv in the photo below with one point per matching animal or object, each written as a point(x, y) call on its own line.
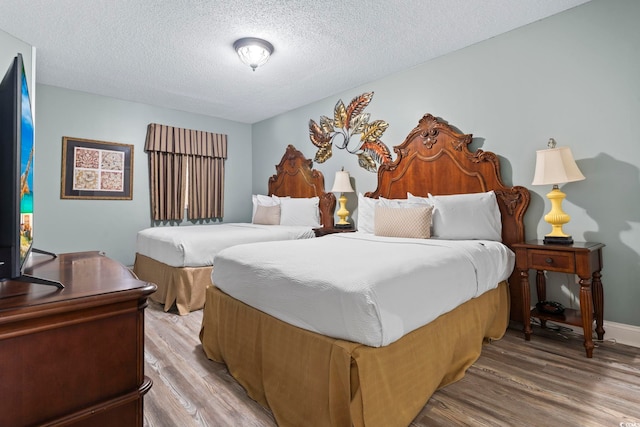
point(17, 149)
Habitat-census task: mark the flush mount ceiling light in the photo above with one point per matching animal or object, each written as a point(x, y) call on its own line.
point(253, 51)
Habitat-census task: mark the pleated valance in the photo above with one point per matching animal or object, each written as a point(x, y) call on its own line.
point(169, 139)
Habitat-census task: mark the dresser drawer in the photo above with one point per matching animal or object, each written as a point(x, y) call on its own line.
point(552, 261)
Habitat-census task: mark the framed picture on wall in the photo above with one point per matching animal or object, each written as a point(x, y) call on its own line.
point(96, 170)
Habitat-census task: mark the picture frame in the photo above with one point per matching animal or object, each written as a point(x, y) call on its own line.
point(96, 170)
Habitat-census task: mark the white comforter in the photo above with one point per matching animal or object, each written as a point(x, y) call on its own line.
point(198, 245)
point(360, 287)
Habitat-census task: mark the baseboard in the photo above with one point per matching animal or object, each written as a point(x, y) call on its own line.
point(618, 332)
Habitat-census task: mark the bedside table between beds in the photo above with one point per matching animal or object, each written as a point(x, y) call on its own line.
point(581, 258)
point(322, 231)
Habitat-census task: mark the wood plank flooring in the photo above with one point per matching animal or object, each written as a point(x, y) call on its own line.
point(543, 382)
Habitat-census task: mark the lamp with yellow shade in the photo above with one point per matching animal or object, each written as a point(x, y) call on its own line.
point(342, 184)
point(556, 166)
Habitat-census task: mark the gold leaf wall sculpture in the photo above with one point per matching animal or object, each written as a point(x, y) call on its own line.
point(347, 122)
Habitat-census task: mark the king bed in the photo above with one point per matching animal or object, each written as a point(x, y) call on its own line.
point(179, 259)
point(361, 328)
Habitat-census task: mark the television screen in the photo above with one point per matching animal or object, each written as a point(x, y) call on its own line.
point(26, 172)
point(10, 121)
point(17, 147)
point(16, 171)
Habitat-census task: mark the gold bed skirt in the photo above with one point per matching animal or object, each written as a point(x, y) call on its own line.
point(310, 379)
point(184, 286)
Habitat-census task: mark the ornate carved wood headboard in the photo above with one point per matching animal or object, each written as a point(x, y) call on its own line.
point(434, 158)
point(296, 178)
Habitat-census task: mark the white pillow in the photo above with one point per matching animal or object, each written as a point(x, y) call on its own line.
point(261, 199)
point(413, 202)
point(366, 213)
point(424, 200)
point(300, 211)
point(467, 217)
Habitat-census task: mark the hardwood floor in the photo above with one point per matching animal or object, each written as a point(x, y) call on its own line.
point(543, 382)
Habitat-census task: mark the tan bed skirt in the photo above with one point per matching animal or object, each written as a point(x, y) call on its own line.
point(310, 379)
point(184, 286)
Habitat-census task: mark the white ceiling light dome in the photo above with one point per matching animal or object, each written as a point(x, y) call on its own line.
point(253, 51)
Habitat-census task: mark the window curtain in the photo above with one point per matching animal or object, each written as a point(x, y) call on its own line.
point(171, 151)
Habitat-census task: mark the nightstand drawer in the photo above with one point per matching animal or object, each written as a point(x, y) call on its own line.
point(552, 261)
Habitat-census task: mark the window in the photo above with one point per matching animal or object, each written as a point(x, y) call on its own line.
point(174, 151)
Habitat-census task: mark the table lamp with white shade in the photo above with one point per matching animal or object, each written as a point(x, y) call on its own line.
point(342, 184)
point(556, 166)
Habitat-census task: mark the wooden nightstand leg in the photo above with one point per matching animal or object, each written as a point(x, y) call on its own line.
point(541, 291)
point(598, 303)
point(586, 309)
point(526, 304)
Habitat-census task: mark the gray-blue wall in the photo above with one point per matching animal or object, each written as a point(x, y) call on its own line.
point(574, 77)
point(64, 225)
point(9, 48)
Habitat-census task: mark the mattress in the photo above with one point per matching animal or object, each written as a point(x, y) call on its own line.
point(198, 245)
point(360, 287)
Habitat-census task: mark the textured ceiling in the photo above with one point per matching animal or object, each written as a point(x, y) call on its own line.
point(178, 53)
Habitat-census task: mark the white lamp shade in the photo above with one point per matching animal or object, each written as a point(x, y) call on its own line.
point(556, 166)
point(342, 183)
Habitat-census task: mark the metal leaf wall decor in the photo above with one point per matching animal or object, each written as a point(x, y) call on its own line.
point(347, 122)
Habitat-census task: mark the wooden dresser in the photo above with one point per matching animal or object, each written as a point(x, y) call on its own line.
point(73, 356)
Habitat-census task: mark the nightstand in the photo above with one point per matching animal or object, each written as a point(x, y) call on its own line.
point(324, 231)
point(583, 259)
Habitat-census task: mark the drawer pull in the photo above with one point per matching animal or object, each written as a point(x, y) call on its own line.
point(549, 260)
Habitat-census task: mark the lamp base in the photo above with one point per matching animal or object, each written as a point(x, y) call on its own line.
point(558, 240)
point(343, 226)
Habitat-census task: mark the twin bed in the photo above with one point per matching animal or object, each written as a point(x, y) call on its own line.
point(179, 260)
point(361, 328)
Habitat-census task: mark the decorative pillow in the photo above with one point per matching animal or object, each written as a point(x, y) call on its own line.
point(367, 206)
point(419, 201)
point(261, 199)
point(300, 211)
point(267, 215)
point(403, 222)
point(366, 213)
point(467, 217)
